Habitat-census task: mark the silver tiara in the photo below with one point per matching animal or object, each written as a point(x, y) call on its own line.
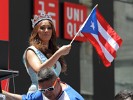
point(38, 18)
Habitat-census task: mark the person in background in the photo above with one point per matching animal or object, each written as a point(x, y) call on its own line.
point(50, 88)
point(43, 51)
point(124, 95)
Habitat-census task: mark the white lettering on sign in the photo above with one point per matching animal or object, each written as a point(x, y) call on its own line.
point(51, 5)
point(52, 14)
point(69, 13)
point(82, 16)
point(74, 16)
point(41, 3)
point(71, 29)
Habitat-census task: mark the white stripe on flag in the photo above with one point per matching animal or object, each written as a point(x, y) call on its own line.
point(107, 37)
point(107, 55)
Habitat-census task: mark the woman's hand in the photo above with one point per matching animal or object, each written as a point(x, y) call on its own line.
point(65, 49)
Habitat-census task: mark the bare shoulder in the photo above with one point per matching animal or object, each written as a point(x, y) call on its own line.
point(30, 52)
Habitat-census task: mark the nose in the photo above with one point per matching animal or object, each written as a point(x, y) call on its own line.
point(46, 29)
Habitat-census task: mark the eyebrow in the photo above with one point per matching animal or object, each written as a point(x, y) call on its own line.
point(46, 25)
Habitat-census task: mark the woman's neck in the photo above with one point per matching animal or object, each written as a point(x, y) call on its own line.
point(45, 45)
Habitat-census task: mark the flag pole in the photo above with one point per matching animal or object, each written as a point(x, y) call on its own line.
point(74, 37)
point(81, 26)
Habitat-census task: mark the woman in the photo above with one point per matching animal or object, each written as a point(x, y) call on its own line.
point(43, 51)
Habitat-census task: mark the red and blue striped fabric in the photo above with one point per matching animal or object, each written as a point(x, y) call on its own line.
point(102, 36)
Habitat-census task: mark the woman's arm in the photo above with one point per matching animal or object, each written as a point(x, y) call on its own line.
point(35, 63)
point(12, 96)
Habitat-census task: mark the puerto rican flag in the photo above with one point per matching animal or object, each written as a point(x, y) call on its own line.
point(102, 36)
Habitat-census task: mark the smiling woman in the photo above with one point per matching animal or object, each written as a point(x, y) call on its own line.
point(43, 51)
point(45, 31)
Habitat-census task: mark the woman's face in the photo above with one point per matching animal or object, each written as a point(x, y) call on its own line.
point(45, 31)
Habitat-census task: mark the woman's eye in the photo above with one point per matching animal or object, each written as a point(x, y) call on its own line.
point(42, 28)
point(49, 28)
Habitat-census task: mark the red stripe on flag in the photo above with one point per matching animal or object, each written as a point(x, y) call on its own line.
point(94, 42)
point(108, 28)
point(107, 45)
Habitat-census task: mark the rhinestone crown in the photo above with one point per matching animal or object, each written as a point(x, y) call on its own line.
point(38, 18)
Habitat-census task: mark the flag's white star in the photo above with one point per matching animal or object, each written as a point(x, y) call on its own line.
point(92, 25)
